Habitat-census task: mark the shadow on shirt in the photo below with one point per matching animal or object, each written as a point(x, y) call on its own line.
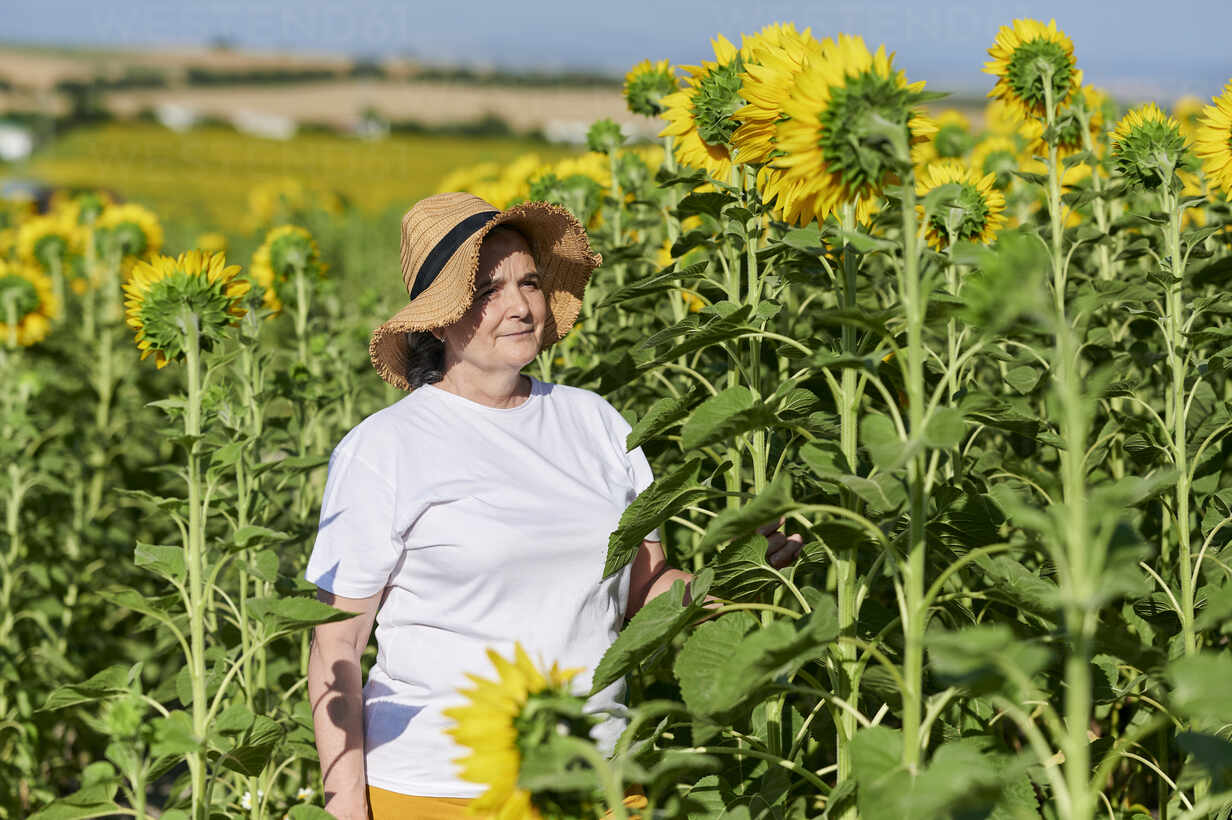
point(384, 720)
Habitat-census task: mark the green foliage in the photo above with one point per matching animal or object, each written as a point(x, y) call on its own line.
point(1008, 465)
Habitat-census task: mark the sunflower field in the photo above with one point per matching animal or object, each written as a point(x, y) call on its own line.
point(986, 373)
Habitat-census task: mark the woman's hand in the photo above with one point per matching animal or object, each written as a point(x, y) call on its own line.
point(783, 549)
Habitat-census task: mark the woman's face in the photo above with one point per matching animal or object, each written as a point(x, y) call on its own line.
point(503, 327)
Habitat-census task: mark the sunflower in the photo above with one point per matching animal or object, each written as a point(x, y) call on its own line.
point(27, 305)
point(1001, 118)
point(212, 242)
point(700, 116)
point(47, 241)
point(647, 84)
point(850, 120)
point(1025, 54)
point(278, 200)
point(953, 138)
point(797, 202)
point(166, 295)
point(12, 213)
point(285, 249)
point(82, 208)
point(1188, 110)
point(996, 155)
point(1213, 141)
point(1148, 148)
point(974, 214)
point(776, 56)
point(127, 232)
point(503, 186)
point(493, 726)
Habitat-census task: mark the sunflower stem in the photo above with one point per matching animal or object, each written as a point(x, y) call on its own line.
point(1177, 411)
point(1077, 582)
point(56, 269)
point(195, 561)
point(1054, 201)
point(10, 317)
point(916, 610)
point(1099, 208)
point(846, 566)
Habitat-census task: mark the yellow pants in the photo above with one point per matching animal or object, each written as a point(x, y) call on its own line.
point(387, 805)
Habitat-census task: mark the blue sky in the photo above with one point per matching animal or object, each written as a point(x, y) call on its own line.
point(1139, 48)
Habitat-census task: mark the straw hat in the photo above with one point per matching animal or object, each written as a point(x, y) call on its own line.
point(441, 236)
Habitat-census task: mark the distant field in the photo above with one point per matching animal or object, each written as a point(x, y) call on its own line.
point(205, 176)
point(340, 103)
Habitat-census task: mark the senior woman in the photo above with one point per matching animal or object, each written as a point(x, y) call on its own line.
point(474, 512)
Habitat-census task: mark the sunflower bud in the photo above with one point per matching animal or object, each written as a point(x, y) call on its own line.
point(1032, 60)
point(604, 136)
point(1148, 149)
point(647, 84)
point(27, 305)
point(47, 241)
point(127, 232)
point(166, 296)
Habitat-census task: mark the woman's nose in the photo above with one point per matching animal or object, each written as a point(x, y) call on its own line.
point(519, 303)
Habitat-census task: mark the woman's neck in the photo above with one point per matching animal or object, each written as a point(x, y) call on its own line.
point(491, 389)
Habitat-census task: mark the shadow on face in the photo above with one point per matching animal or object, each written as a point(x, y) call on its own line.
point(505, 260)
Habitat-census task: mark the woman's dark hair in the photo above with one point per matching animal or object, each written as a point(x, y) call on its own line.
point(426, 364)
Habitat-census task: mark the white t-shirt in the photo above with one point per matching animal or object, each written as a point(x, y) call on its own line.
point(488, 526)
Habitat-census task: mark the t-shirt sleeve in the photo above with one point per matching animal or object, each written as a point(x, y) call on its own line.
point(357, 545)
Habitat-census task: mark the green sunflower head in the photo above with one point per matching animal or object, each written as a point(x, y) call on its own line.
point(863, 126)
point(953, 138)
point(51, 249)
point(129, 231)
point(1148, 149)
point(1037, 63)
point(577, 193)
point(647, 84)
point(18, 296)
point(604, 136)
point(120, 240)
point(170, 299)
point(89, 207)
point(716, 99)
point(294, 252)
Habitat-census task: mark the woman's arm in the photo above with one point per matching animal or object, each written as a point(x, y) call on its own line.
point(335, 684)
point(651, 576)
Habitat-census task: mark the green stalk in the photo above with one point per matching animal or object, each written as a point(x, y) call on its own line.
point(735, 478)
point(846, 566)
point(618, 234)
point(301, 314)
point(1080, 619)
point(1099, 208)
point(104, 383)
point(10, 317)
point(1054, 206)
point(1178, 418)
point(673, 228)
point(13, 552)
point(55, 265)
point(913, 587)
point(195, 563)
